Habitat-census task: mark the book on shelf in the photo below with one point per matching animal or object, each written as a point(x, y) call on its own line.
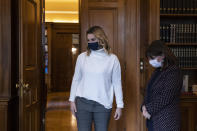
point(45, 32)
point(178, 33)
point(161, 6)
point(195, 6)
point(178, 6)
point(194, 88)
point(185, 83)
point(186, 55)
point(189, 94)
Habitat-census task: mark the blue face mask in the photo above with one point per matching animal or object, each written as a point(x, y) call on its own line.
point(93, 46)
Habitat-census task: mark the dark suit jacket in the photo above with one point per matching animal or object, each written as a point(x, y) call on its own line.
point(163, 105)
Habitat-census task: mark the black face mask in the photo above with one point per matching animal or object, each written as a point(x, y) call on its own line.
point(93, 46)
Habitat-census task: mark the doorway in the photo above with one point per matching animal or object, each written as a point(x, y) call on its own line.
point(61, 48)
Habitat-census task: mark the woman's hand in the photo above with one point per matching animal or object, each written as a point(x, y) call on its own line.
point(118, 113)
point(73, 108)
point(145, 113)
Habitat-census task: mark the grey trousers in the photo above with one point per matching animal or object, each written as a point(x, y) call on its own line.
point(89, 112)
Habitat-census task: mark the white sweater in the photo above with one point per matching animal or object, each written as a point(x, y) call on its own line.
point(97, 77)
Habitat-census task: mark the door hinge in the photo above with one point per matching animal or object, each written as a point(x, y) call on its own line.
point(141, 65)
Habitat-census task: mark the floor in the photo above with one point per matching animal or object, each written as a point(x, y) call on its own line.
point(58, 115)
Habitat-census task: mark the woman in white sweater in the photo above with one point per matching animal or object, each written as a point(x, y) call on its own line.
point(96, 79)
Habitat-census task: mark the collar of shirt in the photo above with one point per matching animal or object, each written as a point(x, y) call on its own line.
point(98, 53)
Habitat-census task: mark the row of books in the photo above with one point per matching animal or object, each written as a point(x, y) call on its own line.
point(187, 56)
point(178, 6)
point(178, 33)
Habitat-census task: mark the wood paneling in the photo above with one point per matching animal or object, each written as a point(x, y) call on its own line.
point(154, 20)
point(8, 65)
point(8, 48)
point(132, 55)
point(108, 20)
point(5, 48)
point(9, 114)
point(30, 33)
point(142, 63)
point(188, 113)
point(3, 115)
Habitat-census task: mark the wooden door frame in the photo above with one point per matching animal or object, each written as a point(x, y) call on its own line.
point(20, 63)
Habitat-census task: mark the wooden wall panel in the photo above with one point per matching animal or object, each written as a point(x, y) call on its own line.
point(8, 65)
point(132, 71)
point(188, 107)
point(143, 40)
point(110, 16)
point(9, 114)
point(107, 19)
point(30, 29)
point(154, 20)
point(5, 48)
point(3, 115)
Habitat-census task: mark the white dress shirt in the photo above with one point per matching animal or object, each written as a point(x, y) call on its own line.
point(97, 77)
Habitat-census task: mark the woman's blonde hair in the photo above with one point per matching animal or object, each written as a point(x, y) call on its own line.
point(101, 36)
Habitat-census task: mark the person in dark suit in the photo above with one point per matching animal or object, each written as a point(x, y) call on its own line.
point(161, 102)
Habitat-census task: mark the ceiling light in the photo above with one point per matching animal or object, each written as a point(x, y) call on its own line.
point(61, 12)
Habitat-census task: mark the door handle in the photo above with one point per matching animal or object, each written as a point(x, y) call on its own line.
point(17, 86)
point(26, 86)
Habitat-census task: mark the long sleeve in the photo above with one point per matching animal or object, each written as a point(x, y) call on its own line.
point(170, 90)
point(116, 81)
point(154, 75)
point(76, 79)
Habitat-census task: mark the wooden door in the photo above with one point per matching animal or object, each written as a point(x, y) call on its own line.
point(61, 57)
point(30, 65)
point(62, 61)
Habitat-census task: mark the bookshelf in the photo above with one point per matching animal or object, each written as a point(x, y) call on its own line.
point(175, 23)
point(178, 29)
